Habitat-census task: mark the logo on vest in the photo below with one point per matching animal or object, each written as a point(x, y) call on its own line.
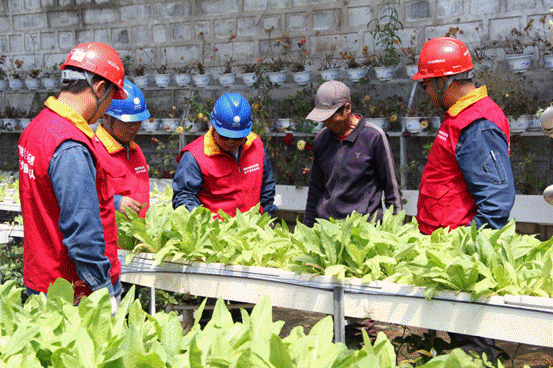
point(251, 168)
point(140, 169)
point(442, 135)
point(26, 162)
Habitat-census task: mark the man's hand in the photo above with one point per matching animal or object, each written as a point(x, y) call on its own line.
point(128, 202)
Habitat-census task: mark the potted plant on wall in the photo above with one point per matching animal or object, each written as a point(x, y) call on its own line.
point(299, 59)
point(511, 92)
point(182, 74)
point(250, 71)
point(140, 76)
point(330, 66)
point(515, 45)
point(275, 63)
point(410, 57)
point(539, 35)
point(228, 77)
point(385, 35)
point(382, 112)
point(162, 78)
point(356, 69)
point(16, 75)
point(202, 77)
point(50, 77)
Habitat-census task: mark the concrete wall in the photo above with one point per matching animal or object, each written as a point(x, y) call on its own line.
point(41, 32)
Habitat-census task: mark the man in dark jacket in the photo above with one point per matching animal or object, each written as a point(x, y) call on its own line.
point(353, 167)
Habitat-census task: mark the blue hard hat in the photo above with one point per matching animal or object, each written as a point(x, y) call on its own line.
point(131, 109)
point(232, 116)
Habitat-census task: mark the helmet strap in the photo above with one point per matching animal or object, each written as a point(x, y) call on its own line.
point(89, 76)
point(441, 91)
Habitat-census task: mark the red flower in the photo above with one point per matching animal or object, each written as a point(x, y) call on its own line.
point(308, 146)
point(405, 134)
point(302, 40)
point(155, 140)
point(288, 139)
point(259, 59)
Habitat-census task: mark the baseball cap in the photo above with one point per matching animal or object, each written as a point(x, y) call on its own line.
point(330, 97)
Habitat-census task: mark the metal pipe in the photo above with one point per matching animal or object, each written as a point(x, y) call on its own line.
point(339, 319)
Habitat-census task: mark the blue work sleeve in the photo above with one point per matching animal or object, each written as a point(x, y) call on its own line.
point(73, 176)
point(187, 182)
point(267, 197)
point(483, 156)
point(117, 202)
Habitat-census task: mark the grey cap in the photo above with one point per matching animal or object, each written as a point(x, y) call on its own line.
point(330, 97)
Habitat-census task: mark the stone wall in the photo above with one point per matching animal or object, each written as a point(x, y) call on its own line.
point(41, 32)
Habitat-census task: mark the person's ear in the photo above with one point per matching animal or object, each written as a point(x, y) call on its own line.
point(99, 88)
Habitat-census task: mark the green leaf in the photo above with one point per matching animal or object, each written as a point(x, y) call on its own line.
point(279, 356)
point(61, 288)
point(84, 348)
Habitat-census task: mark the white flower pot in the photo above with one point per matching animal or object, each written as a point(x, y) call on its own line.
point(302, 78)
point(15, 84)
point(548, 61)
point(24, 122)
point(535, 124)
point(227, 79)
point(519, 62)
point(411, 69)
point(192, 127)
point(412, 124)
point(330, 74)
point(519, 125)
point(10, 123)
point(435, 122)
point(283, 124)
point(50, 83)
point(141, 81)
point(4, 84)
point(163, 80)
point(319, 125)
point(382, 123)
point(384, 73)
point(32, 83)
point(149, 125)
point(355, 74)
point(249, 79)
point(277, 78)
point(201, 80)
point(183, 79)
point(169, 124)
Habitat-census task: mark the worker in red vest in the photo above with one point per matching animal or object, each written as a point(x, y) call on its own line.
point(118, 151)
point(66, 202)
point(228, 168)
point(468, 177)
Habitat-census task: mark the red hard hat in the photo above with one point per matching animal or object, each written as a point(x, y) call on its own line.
point(101, 59)
point(443, 56)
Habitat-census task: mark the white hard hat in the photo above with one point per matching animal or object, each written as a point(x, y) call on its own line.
point(546, 120)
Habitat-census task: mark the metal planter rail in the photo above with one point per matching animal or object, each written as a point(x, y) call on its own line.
point(509, 318)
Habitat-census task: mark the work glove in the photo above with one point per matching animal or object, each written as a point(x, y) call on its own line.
point(115, 301)
point(546, 120)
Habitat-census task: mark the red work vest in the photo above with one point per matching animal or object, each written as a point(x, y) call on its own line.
point(229, 185)
point(45, 257)
point(129, 176)
point(444, 198)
